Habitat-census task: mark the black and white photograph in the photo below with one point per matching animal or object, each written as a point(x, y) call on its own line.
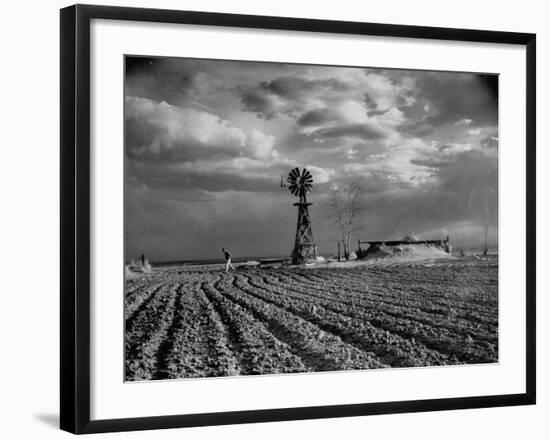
point(290, 218)
point(271, 220)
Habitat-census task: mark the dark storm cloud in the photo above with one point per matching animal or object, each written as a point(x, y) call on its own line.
point(417, 128)
point(206, 143)
point(160, 79)
point(462, 178)
point(370, 103)
point(372, 106)
point(465, 188)
point(377, 182)
point(459, 97)
point(352, 131)
point(163, 178)
point(468, 170)
point(431, 162)
point(395, 214)
point(442, 99)
point(261, 104)
point(291, 87)
point(138, 64)
point(285, 95)
point(461, 173)
point(318, 117)
point(490, 142)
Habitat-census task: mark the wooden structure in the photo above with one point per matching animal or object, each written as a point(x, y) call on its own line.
point(375, 245)
point(299, 184)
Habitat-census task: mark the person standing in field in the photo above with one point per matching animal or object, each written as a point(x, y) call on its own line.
point(228, 263)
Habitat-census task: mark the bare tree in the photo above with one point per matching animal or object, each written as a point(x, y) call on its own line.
point(346, 201)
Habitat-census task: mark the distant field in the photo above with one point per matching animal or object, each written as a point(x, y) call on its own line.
point(184, 322)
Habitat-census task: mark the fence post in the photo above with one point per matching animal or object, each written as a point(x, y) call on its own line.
point(338, 251)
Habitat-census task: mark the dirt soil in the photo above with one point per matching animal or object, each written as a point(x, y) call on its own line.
point(198, 321)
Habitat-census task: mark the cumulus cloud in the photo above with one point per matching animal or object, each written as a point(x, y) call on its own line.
point(320, 175)
point(160, 131)
point(157, 130)
point(387, 92)
point(207, 132)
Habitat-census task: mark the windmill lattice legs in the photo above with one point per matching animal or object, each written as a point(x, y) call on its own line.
point(299, 185)
point(304, 248)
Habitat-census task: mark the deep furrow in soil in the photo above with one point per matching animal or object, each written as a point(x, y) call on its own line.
point(470, 295)
point(345, 297)
point(442, 340)
point(391, 348)
point(132, 286)
point(432, 302)
point(448, 319)
point(146, 333)
point(449, 344)
point(398, 274)
point(407, 275)
point(161, 360)
point(134, 305)
point(198, 344)
point(200, 322)
point(382, 279)
point(317, 349)
point(260, 352)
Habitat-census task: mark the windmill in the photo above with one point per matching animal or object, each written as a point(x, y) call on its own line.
point(299, 185)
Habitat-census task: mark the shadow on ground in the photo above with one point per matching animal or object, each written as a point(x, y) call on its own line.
point(50, 419)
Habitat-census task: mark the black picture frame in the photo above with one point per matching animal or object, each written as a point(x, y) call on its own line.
point(75, 217)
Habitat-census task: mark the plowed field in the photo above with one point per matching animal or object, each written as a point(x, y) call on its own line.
point(198, 321)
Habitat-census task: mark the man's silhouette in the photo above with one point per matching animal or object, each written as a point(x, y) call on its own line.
point(228, 263)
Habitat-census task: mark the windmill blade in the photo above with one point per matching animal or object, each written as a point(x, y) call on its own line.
point(299, 181)
point(293, 189)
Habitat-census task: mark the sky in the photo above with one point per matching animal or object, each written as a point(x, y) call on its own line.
point(207, 141)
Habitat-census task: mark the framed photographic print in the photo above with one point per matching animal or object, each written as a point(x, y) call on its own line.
point(268, 218)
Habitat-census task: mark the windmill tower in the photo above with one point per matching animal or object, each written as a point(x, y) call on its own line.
point(300, 184)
